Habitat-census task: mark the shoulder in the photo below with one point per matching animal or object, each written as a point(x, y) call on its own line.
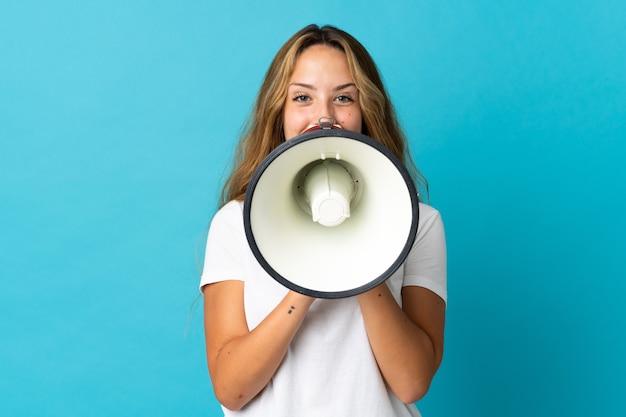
point(427, 211)
point(429, 218)
point(227, 223)
point(426, 265)
point(232, 209)
point(230, 214)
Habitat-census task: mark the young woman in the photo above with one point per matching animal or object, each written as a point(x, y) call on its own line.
point(274, 352)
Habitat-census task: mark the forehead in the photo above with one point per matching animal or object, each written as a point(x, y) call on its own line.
point(321, 60)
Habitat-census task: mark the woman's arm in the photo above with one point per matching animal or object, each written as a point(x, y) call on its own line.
point(407, 342)
point(241, 362)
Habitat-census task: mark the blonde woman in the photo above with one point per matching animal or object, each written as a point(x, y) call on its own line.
point(275, 352)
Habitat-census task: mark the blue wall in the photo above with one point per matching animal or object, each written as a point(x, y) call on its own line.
point(118, 118)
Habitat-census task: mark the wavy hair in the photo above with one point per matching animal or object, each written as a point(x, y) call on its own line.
point(263, 131)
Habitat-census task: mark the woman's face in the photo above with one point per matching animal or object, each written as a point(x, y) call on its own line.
point(321, 85)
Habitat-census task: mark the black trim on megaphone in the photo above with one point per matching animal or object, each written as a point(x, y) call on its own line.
point(347, 135)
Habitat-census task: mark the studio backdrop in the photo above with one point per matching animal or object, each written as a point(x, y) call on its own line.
point(117, 123)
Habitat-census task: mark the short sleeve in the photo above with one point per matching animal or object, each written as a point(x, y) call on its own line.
point(226, 242)
point(425, 265)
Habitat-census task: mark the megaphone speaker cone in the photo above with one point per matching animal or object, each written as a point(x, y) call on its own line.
point(331, 213)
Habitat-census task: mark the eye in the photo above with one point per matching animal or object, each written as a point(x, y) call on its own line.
point(344, 98)
point(301, 97)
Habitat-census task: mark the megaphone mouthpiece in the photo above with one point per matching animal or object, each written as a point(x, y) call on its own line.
point(329, 188)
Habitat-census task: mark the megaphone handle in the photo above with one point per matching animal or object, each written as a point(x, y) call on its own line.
point(326, 122)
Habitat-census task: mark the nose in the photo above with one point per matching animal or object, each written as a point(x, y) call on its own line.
point(324, 114)
point(324, 117)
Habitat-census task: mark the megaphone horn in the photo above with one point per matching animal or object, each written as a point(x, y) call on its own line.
point(331, 213)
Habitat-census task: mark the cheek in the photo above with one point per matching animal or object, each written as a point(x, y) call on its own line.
point(288, 117)
point(292, 116)
point(293, 123)
point(353, 121)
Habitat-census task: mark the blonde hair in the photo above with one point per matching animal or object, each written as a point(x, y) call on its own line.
point(264, 129)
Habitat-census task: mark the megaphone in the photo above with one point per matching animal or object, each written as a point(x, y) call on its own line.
point(331, 213)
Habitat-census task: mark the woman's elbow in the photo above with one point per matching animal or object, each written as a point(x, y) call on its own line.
point(417, 383)
point(228, 395)
point(230, 400)
point(414, 391)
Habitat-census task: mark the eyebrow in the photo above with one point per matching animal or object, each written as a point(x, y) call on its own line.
point(311, 87)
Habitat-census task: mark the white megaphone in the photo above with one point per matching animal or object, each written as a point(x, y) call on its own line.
point(331, 213)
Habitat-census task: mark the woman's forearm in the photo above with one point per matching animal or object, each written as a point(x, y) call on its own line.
point(242, 362)
point(407, 354)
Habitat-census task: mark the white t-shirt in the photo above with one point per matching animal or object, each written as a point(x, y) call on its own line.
point(329, 368)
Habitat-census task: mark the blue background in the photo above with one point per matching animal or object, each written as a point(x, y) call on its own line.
point(117, 121)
